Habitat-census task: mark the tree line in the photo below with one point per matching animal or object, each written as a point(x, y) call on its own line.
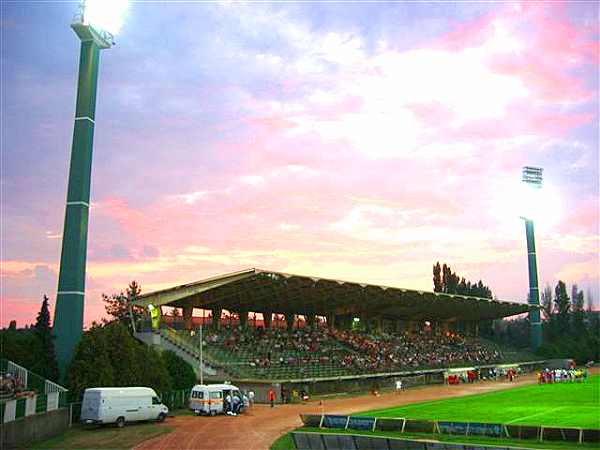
point(570, 330)
point(107, 355)
point(448, 282)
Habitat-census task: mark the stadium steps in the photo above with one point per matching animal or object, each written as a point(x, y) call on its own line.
point(169, 341)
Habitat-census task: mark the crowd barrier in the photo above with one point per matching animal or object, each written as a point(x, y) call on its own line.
point(495, 430)
point(330, 441)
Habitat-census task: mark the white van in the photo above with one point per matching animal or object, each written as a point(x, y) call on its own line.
point(209, 399)
point(121, 404)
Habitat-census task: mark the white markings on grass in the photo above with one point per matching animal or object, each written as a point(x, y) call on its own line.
point(548, 411)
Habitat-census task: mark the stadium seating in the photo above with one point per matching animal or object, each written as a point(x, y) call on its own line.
point(279, 354)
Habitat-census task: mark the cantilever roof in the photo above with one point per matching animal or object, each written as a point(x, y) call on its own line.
point(267, 291)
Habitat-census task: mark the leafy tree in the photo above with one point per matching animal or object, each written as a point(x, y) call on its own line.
point(91, 365)
point(108, 355)
point(546, 300)
point(152, 365)
point(181, 373)
point(12, 325)
point(117, 305)
point(19, 346)
point(45, 364)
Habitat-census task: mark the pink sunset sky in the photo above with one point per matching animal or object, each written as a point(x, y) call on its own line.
point(357, 141)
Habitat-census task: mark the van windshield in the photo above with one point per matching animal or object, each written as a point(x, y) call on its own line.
point(156, 401)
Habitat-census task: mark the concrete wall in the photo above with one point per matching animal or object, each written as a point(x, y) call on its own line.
point(29, 429)
point(317, 441)
point(261, 390)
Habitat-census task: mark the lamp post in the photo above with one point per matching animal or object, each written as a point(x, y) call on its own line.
point(94, 24)
point(532, 176)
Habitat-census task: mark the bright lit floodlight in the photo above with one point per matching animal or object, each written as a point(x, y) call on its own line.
point(533, 176)
point(100, 20)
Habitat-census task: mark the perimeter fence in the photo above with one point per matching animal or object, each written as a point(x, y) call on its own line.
point(494, 430)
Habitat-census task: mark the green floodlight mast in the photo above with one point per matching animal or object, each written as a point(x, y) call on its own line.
point(532, 176)
point(95, 24)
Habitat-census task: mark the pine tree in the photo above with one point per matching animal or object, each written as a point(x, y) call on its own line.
point(563, 306)
point(590, 301)
point(578, 307)
point(45, 365)
point(462, 287)
point(445, 278)
point(437, 278)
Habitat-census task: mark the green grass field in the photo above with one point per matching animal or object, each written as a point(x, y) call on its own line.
point(561, 405)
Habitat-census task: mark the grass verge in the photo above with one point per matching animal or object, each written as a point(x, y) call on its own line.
point(106, 437)
point(285, 442)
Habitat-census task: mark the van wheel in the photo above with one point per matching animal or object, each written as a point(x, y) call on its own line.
point(213, 413)
point(161, 417)
point(121, 422)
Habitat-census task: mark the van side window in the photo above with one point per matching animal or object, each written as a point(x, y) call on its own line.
point(155, 401)
point(198, 394)
point(215, 395)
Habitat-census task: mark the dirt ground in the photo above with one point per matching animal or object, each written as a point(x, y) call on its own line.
point(257, 429)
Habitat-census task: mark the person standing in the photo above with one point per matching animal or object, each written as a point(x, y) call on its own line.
point(236, 405)
point(271, 397)
point(228, 405)
point(251, 397)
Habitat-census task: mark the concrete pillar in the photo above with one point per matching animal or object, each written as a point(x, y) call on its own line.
point(187, 317)
point(331, 321)
point(267, 319)
point(399, 326)
point(216, 318)
point(243, 318)
point(412, 327)
point(444, 326)
point(378, 324)
point(344, 322)
point(289, 321)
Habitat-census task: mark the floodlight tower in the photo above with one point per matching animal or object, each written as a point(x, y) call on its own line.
point(532, 176)
point(95, 24)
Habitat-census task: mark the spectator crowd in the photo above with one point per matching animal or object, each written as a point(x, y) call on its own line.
point(354, 351)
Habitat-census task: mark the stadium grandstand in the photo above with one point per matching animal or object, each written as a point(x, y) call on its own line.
point(265, 325)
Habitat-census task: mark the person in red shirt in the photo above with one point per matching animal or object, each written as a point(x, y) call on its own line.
point(271, 397)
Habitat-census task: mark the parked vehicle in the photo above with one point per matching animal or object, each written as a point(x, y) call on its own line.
point(210, 399)
point(120, 405)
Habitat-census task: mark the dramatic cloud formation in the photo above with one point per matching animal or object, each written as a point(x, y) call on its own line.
point(362, 142)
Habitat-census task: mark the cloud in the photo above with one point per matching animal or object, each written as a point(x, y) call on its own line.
point(365, 146)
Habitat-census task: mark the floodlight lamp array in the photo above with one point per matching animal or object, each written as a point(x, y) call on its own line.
point(88, 32)
point(533, 176)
